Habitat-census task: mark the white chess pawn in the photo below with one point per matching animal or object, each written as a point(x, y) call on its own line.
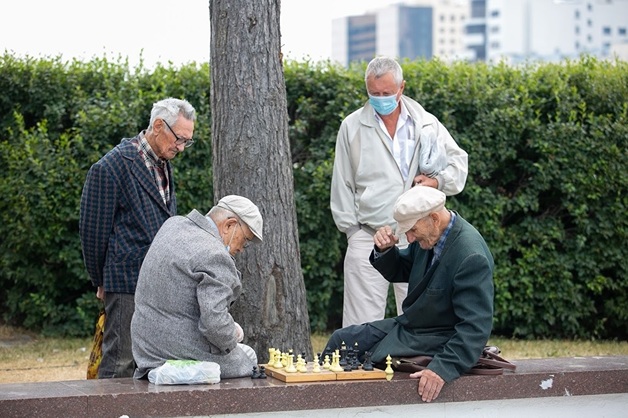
point(326, 364)
point(317, 367)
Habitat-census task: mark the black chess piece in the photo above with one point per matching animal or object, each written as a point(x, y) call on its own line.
point(355, 362)
point(368, 364)
point(320, 359)
point(343, 354)
point(255, 374)
point(262, 372)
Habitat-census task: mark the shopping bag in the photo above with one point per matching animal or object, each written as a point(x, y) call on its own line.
point(96, 355)
point(185, 372)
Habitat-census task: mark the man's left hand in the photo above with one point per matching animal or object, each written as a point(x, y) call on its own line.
point(430, 384)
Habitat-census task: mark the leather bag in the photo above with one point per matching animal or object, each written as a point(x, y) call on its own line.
point(489, 363)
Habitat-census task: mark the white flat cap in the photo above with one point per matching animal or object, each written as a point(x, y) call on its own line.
point(416, 203)
point(246, 210)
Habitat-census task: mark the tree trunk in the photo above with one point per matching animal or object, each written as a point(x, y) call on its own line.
point(251, 158)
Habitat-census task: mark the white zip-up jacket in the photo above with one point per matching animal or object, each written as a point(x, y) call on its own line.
point(366, 179)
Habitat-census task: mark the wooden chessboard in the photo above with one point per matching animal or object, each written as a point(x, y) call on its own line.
point(323, 375)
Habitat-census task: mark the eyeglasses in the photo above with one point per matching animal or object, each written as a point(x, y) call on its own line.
point(178, 140)
point(248, 240)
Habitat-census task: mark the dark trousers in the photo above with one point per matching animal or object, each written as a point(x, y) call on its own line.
point(366, 336)
point(117, 355)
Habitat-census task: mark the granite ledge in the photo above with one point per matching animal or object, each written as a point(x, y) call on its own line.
point(115, 397)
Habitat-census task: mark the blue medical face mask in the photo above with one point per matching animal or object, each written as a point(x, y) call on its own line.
point(384, 105)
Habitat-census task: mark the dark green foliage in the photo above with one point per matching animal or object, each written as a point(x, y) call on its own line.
point(56, 120)
point(547, 182)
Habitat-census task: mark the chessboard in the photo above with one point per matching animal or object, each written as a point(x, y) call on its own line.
point(323, 375)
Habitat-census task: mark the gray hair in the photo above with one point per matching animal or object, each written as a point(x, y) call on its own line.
point(219, 214)
point(380, 66)
point(169, 110)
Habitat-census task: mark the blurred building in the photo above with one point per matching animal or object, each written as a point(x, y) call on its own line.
point(410, 29)
point(550, 30)
point(485, 30)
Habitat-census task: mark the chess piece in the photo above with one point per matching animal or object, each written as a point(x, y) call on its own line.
point(319, 356)
point(290, 367)
point(343, 355)
point(262, 372)
point(271, 357)
point(255, 374)
point(326, 364)
point(335, 364)
point(368, 363)
point(301, 366)
point(316, 367)
point(389, 371)
point(278, 364)
point(355, 361)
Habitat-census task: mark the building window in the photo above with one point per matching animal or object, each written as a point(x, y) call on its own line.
point(589, 6)
point(495, 45)
point(494, 29)
point(589, 23)
point(495, 13)
point(442, 18)
point(577, 14)
point(577, 30)
point(577, 46)
point(621, 31)
point(589, 38)
point(606, 30)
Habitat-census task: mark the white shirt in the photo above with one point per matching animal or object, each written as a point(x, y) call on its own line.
point(403, 143)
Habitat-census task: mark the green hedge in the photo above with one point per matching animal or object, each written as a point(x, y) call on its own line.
point(547, 183)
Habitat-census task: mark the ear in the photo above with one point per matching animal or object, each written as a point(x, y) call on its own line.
point(229, 223)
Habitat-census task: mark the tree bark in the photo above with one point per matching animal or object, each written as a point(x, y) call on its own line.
point(251, 158)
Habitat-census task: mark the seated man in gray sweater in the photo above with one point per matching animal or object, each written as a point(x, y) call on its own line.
point(186, 285)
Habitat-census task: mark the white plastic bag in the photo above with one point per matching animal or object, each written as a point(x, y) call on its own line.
point(185, 372)
point(432, 154)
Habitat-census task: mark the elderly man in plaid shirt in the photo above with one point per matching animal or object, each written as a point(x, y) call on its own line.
point(128, 194)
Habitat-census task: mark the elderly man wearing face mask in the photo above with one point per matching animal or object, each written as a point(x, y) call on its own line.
point(383, 149)
point(187, 284)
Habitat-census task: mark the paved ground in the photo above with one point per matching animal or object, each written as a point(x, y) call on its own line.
point(598, 406)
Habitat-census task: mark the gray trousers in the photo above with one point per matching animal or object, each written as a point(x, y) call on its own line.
point(117, 355)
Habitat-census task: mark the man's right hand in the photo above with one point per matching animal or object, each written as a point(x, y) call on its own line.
point(100, 293)
point(384, 238)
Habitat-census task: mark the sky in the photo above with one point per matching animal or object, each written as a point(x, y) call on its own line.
point(157, 30)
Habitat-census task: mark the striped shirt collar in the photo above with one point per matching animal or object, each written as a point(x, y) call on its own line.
point(156, 165)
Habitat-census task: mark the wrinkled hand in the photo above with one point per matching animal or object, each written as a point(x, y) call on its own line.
point(423, 180)
point(430, 384)
point(239, 333)
point(384, 238)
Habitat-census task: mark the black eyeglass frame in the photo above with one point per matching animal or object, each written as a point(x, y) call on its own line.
point(178, 140)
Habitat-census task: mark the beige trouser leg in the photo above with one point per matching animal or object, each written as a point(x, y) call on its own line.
point(365, 290)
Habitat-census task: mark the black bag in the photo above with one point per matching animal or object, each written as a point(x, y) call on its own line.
point(489, 363)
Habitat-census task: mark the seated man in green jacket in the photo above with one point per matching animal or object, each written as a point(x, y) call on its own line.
point(448, 313)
